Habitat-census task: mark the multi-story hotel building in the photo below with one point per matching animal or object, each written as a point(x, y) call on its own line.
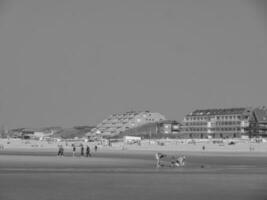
point(118, 123)
point(217, 123)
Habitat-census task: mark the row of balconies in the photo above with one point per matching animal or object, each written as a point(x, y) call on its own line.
point(220, 117)
point(213, 129)
point(242, 124)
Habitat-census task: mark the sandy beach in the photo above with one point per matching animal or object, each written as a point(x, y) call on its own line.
point(146, 145)
point(129, 174)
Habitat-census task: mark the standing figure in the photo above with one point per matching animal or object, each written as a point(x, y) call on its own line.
point(82, 150)
point(95, 148)
point(62, 151)
point(73, 150)
point(88, 151)
point(59, 150)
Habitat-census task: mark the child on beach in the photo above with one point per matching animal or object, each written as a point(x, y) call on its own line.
point(73, 150)
point(158, 157)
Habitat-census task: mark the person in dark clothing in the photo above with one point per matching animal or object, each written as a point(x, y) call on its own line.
point(82, 150)
point(60, 150)
point(88, 151)
point(95, 148)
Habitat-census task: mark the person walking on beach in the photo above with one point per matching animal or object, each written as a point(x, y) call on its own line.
point(88, 151)
point(60, 150)
point(73, 150)
point(82, 150)
point(95, 148)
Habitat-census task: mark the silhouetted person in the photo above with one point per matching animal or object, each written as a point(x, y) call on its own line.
point(82, 150)
point(95, 148)
point(60, 150)
point(88, 151)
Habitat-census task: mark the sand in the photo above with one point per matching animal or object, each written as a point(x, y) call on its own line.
point(129, 174)
point(146, 145)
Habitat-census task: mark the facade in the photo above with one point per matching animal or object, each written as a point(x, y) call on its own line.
point(217, 123)
point(169, 127)
point(161, 129)
point(258, 126)
point(118, 123)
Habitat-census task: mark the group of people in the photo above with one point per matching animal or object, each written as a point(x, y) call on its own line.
point(174, 161)
point(84, 151)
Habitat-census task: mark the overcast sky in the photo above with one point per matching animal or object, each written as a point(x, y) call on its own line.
point(75, 62)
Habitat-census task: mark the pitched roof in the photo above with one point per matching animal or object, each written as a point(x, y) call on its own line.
point(222, 111)
point(260, 114)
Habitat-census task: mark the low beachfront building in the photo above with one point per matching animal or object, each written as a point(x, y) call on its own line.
point(120, 122)
point(217, 123)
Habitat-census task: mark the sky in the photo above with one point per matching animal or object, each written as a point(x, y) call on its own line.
point(75, 62)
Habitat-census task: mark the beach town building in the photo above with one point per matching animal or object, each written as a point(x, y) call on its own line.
point(161, 129)
point(258, 126)
point(168, 127)
point(218, 123)
point(120, 122)
point(31, 133)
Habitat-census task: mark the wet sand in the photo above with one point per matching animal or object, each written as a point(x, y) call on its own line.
point(131, 175)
